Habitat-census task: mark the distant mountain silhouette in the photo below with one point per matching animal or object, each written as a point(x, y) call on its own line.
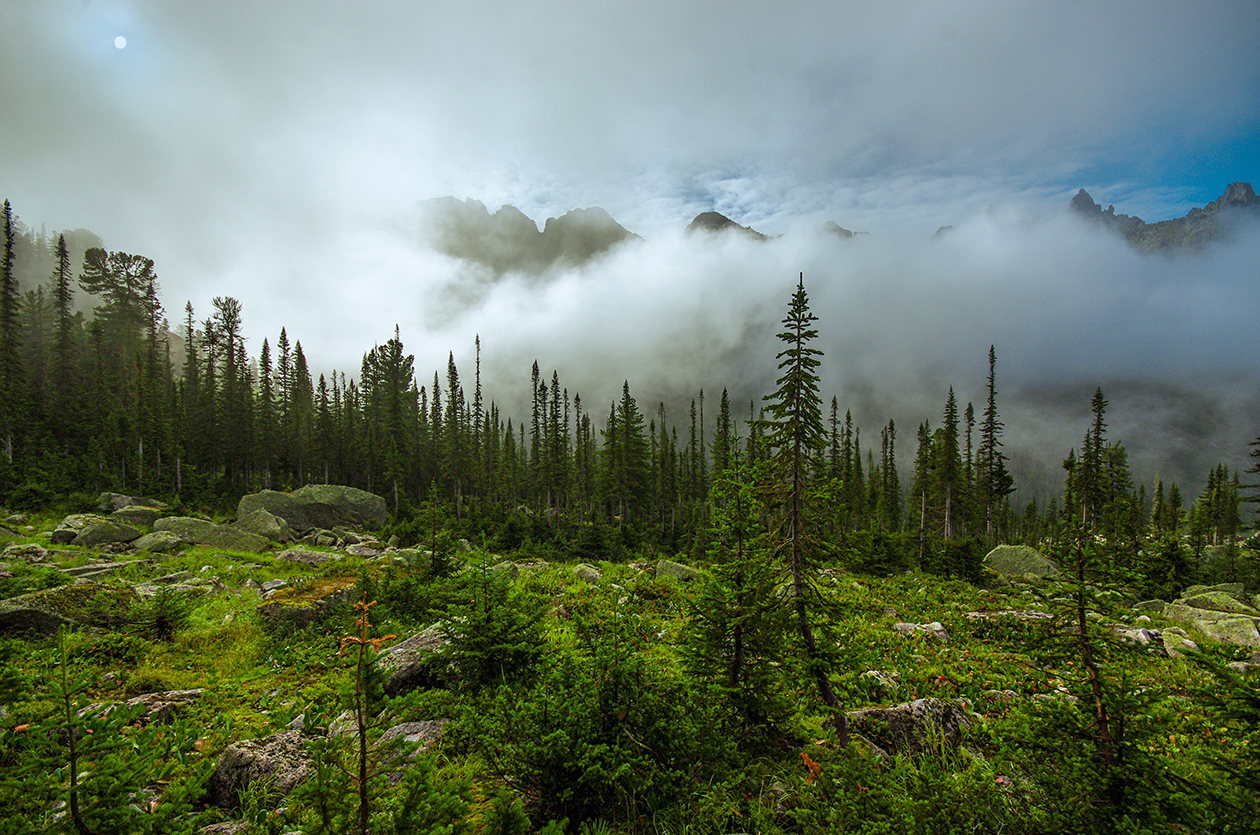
point(1199, 226)
point(716, 222)
point(509, 241)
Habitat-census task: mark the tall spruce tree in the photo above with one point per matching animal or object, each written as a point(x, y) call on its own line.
point(794, 439)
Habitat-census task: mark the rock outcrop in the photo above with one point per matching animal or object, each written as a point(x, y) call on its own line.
point(281, 760)
point(317, 506)
point(1199, 226)
point(201, 532)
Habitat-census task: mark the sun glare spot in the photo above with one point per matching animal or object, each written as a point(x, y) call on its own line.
point(120, 42)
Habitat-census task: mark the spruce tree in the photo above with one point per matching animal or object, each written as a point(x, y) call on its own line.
point(794, 439)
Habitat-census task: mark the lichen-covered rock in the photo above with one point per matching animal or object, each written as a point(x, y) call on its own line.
point(136, 515)
point(157, 707)
point(158, 542)
point(43, 612)
point(1020, 561)
point(305, 604)
point(26, 552)
point(104, 532)
point(318, 506)
point(587, 573)
point(1225, 627)
point(1219, 601)
point(680, 572)
point(304, 556)
point(201, 532)
point(281, 760)
point(911, 727)
point(263, 523)
point(109, 502)
point(409, 663)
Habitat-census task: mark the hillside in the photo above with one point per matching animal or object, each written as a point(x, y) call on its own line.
point(526, 685)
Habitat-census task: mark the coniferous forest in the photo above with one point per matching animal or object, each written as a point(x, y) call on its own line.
point(608, 617)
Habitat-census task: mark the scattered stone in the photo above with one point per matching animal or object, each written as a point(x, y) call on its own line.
point(680, 572)
point(913, 726)
point(16, 519)
point(159, 708)
point(1018, 614)
point(935, 629)
point(281, 760)
point(272, 585)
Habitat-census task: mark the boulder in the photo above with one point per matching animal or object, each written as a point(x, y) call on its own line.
point(26, 552)
point(305, 604)
point(1020, 561)
point(43, 612)
point(409, 663)
point(103, 532)
point(911, 727)
point(419, 733)
point(304, 556)
point(1219, 601)
point(587, 573)
point(680, 572)
point(158, 542)
point(1225, 627)
point(136, 515)
point(201, 532)
point(109, 502)
point(262, 523)
point(281, 760)
point(318, 506)
point(1177, 642)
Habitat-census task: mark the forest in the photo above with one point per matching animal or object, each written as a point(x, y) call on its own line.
point(734, 696)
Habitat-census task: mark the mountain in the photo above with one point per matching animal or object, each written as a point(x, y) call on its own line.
point(716, 222)
point(509, 241)
point(1214, 221)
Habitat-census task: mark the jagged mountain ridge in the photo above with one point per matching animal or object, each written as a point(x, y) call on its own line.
point(1199, 226)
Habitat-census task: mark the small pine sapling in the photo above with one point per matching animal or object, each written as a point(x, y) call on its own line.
point(362, 671)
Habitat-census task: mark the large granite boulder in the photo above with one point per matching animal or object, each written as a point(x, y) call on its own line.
point(159, 542)
point(281, 760)
point(266, 524)
point(318, 506)
point(94, 530)
point(201, 532)
point(1021, 562)
point(1224, 613)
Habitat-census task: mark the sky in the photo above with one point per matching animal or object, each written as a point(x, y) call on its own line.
point(275, 152)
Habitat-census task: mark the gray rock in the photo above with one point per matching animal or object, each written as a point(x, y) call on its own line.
point(89, 529)
point(587, 573)
point(409, 663)
point(26, 552)
point(304, 556)
point(506, 567)
point(43, 612)
point(1020, 561)
point(281, 760)
point(680, 572)
point(109, 502)
point(421, 733)
point(318, 506)
point(158, 707)
point(911, 727)
point(16, 519)
point(158, 542)
point(935, 629)
point(201, 532)
point(1224, 627)
point(362, 550)
point(262, 523)
point(136, 515)
point(304, 605)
